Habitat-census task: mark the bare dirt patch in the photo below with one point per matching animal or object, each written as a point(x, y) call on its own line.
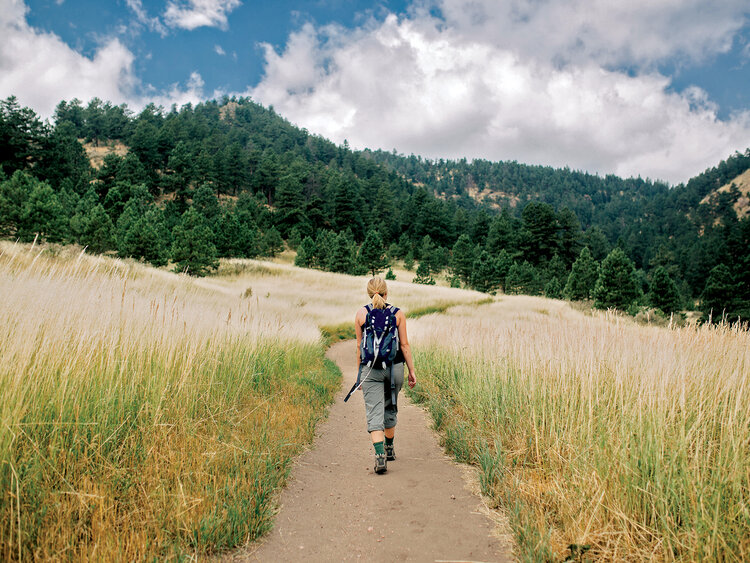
point(96, 153)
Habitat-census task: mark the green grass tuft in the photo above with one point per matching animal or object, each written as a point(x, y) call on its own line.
point(336, 333)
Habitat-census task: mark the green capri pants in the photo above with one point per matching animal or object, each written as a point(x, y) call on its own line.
point(376, 388)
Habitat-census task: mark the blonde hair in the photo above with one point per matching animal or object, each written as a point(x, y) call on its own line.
point(377, 290)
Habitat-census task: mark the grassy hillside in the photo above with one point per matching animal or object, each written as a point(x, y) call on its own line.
point(150, 415)
point(232, 179)
point(741, 196)
point(143, 416)
point(604, 440)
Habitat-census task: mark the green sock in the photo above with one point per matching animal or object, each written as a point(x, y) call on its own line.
point(379, 448)
point(388, 441)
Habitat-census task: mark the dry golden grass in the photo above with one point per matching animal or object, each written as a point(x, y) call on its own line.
point(96, 154)
point(324, 297)
point(144, 415)
point(150, 415)
point(595, 431)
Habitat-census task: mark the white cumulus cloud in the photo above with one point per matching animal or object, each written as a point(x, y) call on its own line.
point(40, 69)
point(607, 31)
point(460, 86)
point(199, 13)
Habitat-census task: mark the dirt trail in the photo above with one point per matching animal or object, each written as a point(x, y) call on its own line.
point(336, 508)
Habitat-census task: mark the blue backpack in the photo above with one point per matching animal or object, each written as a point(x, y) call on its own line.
point(380, 337)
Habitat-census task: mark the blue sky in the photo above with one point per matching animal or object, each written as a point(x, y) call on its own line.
point(168, 56)
point(654, 88)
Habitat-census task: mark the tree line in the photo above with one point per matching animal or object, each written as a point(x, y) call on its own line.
point(234, 179)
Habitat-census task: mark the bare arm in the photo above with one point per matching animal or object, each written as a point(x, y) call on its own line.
point(359, 320)
point(405, 347)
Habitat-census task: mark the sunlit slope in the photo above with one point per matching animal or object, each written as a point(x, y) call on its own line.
point(146, 414)
point(742, 184)
point(143, 415)
point(595, 431)
point(323, 297)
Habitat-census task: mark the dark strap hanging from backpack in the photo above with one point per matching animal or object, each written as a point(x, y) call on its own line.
point(393, 388)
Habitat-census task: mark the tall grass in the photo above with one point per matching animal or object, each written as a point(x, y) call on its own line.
point(326, 298)
point(602, 438)
point(144, 415)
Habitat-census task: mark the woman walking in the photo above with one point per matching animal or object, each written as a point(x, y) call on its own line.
point(381, 367)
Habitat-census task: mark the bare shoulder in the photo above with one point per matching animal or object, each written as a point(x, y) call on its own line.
point(361, 314)
point(400, 316)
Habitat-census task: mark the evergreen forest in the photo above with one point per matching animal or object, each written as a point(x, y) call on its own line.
point(186, 186)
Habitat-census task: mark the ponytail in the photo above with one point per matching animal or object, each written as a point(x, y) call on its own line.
point(377, 290)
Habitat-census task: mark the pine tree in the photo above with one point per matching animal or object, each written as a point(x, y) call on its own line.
point(294, 239)
point(523, 279)
point(206, 203)
point(503, 234)
point(553, 289)
point(389, 275)
point(181, 166)
point(97, 231)
point(409, 261)
point(144, 145)
point(462, 260)
point(146, 237)
point(266, 176)
point(484, 273)
point(597, 243)
point(383, 211)
point(271, 242)
point(324, 243)
point(193, 250)
point(372, 253)
point(305, 253)
point(582, 277)
point(130, 170)
point(556, 268)
point(569, 232)
point(664, 294)
point(290, 204)
point(14, 193)
point(503, 264)
point(427, 253)
point(404, 245)
point(234, 169)
point(348, 206)
point(717, 298)
point(424, 276)
point(617, 285)
point(540, 228)
point(43, 215)
point(342, 256)
point(235, 238)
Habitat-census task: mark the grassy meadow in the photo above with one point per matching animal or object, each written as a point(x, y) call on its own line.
point(601, 438)
point(149, 415)
point(143, 415)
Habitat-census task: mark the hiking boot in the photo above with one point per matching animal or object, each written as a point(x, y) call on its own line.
point(390, 452)
point(381, 466)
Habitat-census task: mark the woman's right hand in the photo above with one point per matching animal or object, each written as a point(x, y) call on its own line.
point(412, 379)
